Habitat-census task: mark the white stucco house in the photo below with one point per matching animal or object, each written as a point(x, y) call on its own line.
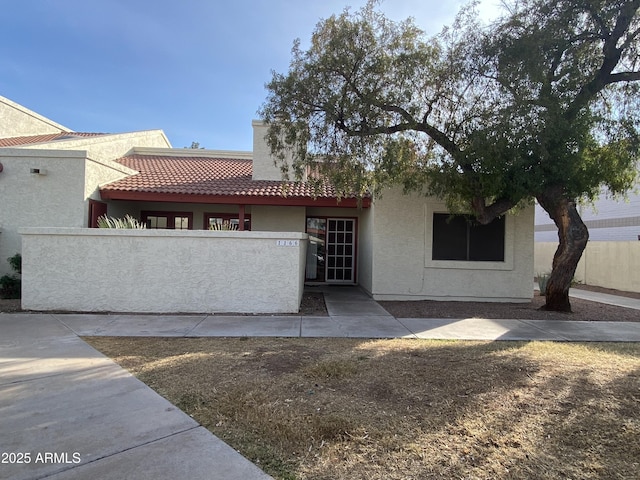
point(396, 247)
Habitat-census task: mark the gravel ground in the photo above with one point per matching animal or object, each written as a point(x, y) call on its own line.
point(582, 310)
point(9, 306)
point(313, 305)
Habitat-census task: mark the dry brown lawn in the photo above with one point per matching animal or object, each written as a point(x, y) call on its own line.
point(405, 409)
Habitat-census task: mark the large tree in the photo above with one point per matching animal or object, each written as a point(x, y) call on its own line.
point(540, 104)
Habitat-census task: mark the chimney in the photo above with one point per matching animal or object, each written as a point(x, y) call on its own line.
point(263, 165)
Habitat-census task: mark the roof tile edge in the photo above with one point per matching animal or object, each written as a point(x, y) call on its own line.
point(192, 152)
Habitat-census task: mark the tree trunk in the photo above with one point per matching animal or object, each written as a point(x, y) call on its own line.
point(573, 236)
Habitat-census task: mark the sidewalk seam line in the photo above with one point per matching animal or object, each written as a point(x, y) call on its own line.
point(125, 450)
point(408, 329)
point(561, 338)
point(187, 333)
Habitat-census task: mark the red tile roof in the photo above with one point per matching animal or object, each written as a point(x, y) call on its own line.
point(50, 137)
point(209, 180)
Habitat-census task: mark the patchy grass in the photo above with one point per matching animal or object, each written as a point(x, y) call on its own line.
point(405, 409)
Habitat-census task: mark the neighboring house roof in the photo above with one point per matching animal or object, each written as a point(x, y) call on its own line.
point(211, 179)
point(17, 121)
point(50, 137)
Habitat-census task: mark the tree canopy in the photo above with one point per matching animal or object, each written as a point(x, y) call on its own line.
point(541, 103)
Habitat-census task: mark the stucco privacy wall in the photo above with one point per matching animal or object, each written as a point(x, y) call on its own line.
point(604, 264)
point(403, 268)
point(161, 271)
point(34, 200)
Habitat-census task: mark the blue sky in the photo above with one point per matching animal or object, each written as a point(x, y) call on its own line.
point(193, 68)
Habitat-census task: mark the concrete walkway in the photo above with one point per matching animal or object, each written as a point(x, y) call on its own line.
point(605, 298)
point(68, 412)
point(354, 314)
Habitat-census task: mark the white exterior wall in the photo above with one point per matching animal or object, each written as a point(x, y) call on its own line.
point(165, 271)
point(278, 219)
point(365, 248)
point(402, 265)
point(31, 200)
point(75, 170)
point(101, 172)
point(18, 121)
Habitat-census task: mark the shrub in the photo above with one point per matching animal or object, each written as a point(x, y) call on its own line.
point(16, 263)
point(226, 225)
point(127, 222)
point(11, 285)
point(543, 279)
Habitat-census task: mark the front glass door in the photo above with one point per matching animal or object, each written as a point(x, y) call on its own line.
point(331, 250)
point(340, 250)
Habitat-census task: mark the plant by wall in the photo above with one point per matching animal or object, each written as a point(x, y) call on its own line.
point(226, 225)
point(10, 285)
point(543, 279)
point(127, 222)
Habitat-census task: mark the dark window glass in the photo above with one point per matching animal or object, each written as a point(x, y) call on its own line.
point(449, 237)
point(171, 220)
point(486, 242)
point(462, 238)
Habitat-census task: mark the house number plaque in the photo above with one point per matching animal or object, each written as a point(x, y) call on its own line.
point(288, 243)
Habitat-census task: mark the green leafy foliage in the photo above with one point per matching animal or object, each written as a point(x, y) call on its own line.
point(487, 117)
point(16, 263)
point(540, 104)
point(11, 285)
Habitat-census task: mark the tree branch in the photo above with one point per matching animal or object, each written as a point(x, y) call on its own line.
point(485, 214)
point(624, 77)
point(611, 57)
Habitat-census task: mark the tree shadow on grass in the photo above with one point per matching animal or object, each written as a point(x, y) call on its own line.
point(341, 408)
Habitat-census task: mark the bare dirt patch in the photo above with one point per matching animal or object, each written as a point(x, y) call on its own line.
point(313, 305)
point(404, 409)
point(10, 305)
